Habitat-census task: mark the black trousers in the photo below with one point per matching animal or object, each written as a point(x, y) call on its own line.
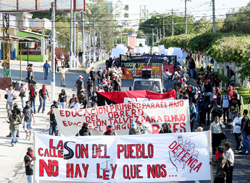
point(225, 110)
point(205, 115)
point(238, 139)
point(216, 141)
point(219, 180)
point(230, 176)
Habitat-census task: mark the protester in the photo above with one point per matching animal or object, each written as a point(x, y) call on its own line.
point(83, 101)
point(236, 130)
point(84, 130)
point(92, 75)
point(62, 59)
point(72, 100)
point(11, 96)
point(216, 130)
point(14, 121)
point(28, 160)
point(117, 84)
point(27, 117)
point(229, 76)
point(30, 72)
point(89, 87)
point(56, 65)
point(62, 99)
point(192, 115)
point(22, 94)
point(52, 119)
point(62, 76)
point(245, 125)
point(46, 67)
point(76, 104)
point(110, 131)
point(32, 83)
point(79, 85)
point(165, 128)
point(18, 112)
point(199, 129)
point(225, 105)
point(136, 130)
point(167, 77)
point(230, 156)
point(32, 98)
point(219, 163)
point(43, 94)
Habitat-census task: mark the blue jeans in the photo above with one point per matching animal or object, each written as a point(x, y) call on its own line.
point(46, 73)
point(53, 128)
point(42, 104)
point(167, 81)
point(62, 105)
point(99, 80)
point(192, 73)
point(245, 142)
point(23, 101)
point(14, 139)
point(33, 103)
point(30, 178)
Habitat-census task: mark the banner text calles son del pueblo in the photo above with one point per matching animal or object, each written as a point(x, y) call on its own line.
point(147, 158)
point(149, 115)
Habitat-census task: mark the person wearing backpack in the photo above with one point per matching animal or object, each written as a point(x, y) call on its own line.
point(32, 97)
point(220, 163)
point(245, 131)
point(92, 75)
point(230, 156)
point(43, 94)
point(224, 105)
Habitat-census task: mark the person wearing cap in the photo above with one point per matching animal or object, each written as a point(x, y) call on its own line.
point(14, 121)
point(27, 116)
point(52, 119)
point(84, 130)
point(79, 85)
point(62, 99)
point(89, 87)
point(62, 76)
point(28, 161)
point(11, 95)
point(236, 130)
point(46, 67)
point(136, 130)
point(110, 131)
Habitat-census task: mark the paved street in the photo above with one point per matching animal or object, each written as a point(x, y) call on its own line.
point(12, 166)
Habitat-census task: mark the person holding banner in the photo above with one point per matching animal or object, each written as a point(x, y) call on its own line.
point(62, 99)
point(84, 130)
point(110, 131)
point(165, 128)
point(52, 119)
point(28, 160)
point(136, 130)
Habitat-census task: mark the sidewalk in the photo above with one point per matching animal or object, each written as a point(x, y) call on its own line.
point(12, 164)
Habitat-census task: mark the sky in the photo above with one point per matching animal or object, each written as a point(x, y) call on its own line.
point(198, 8)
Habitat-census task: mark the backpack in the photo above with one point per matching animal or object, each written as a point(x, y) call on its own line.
point(232, 73)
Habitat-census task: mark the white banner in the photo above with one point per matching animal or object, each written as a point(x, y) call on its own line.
point(148, 115)
point(139, 158)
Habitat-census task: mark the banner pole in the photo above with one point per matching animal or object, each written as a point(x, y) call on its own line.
point(210, 155)
point(34, 167)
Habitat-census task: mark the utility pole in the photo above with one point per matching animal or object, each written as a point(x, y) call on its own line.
point(83, 39)
point(53, 87)
point(77, 58)
point(71, 31)
point(152, 37)
point(157, 38)
point(186, 16)
point(100, 48)
point(160, 34)
point(74, 39)
point(163, 27)
point(214, 23)
point(94, 57)
point(90, 43)
point(172, 22)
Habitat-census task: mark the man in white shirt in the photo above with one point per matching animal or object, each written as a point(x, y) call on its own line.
point(216, 129)
point(236, 130)
point(230, 156)
point(167, 76)
point(10, 96)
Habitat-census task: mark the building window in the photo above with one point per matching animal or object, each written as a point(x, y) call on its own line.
point(126, 7)
point(126, 15)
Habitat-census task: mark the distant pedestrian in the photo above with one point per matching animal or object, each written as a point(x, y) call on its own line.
point(11, 95)
point(167, 77)
point(62, 99)
point(89, 87)
point(84, 130)
point(230, 156)
point(46, 67)
point(32, 98)
point(62, 76)
point(99, 76)
point(52, 119)
point(245, 129)
point(27, 117)
point(30, 71)
point(229, 75)
point(92, 75)
point(18, 112)
point(14, 121)
point(236, 130)
point(56, 65)
point(22, 89)
point(43, 95)
point(110, 131)
point(79, 85)
point(28, 160)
